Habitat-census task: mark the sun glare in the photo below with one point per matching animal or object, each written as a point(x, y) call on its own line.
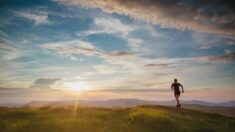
point(77, 86)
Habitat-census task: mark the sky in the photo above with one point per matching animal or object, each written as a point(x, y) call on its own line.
point(107, 49)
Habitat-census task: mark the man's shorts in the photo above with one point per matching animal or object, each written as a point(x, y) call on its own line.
point(177, 92)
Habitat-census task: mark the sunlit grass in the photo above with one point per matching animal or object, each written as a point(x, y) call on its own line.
point(87, 119)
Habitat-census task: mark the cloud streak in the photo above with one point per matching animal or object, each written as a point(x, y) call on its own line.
point(208, 16)
point(117, 28)
point(108, 25)
point(45, 83)
point(8, 52)
point(37, 17)
point(228, 57)
point(71, 47)
point(25, 95)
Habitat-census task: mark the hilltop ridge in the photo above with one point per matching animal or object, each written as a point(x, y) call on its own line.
point(145, 118)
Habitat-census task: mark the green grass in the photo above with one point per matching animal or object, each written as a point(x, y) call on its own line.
point(88, 119)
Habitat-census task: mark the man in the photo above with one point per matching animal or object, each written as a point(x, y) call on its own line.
point(176, 87)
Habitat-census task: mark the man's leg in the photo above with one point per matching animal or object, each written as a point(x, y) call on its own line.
point(177, 99)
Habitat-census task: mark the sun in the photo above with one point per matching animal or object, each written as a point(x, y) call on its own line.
point(77, 86)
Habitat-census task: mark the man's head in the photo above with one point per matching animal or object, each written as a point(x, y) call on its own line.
point(175, 80)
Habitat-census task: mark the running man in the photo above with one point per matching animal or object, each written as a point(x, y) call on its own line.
point(176, 87)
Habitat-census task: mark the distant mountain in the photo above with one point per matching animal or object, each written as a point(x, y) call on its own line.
point(118, 103)
point(225, 108)
point(125, 103)
point(12, 105)
point(229, 103)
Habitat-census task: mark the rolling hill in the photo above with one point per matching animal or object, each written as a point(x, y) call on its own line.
point(147, 118)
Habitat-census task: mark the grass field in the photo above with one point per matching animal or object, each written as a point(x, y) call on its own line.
point(88, 119)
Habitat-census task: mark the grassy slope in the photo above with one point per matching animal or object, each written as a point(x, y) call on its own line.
point(139, 119)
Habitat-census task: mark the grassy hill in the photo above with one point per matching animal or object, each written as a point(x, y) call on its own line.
point(91, 119)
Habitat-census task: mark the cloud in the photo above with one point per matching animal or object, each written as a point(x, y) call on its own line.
point(73, 58)
point(138, 45)
point(72, 47)
point(123, 69)
point(113, 26)
point(9, 52)
point(156, 65)
point(108, 25)
point(208, 16)
point(226, 58)
point(105, 69)
point(25, 95)
point(45, 83)
point(208, 41)
point(144, 73)
point(36, 16)
point(117, 53)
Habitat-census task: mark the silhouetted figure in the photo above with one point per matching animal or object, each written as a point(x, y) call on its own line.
point(176, 87)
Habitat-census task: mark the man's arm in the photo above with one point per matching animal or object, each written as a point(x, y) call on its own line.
point(182, 88)
point(171, 86)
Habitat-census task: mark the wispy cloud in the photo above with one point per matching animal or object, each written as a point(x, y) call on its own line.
point(25, 95)
point(46, 83)
point(126, 64)
point(207, 41)
point(156, 65)
point(36, 16)
point(108, 25)
point(105, 69)
point(10, 52)
point(131, 69)
point(194, 15)
point(228, 57)
point(116, 27)
point(71, 47)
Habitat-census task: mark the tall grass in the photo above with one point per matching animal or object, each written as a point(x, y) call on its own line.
point(88, 119)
